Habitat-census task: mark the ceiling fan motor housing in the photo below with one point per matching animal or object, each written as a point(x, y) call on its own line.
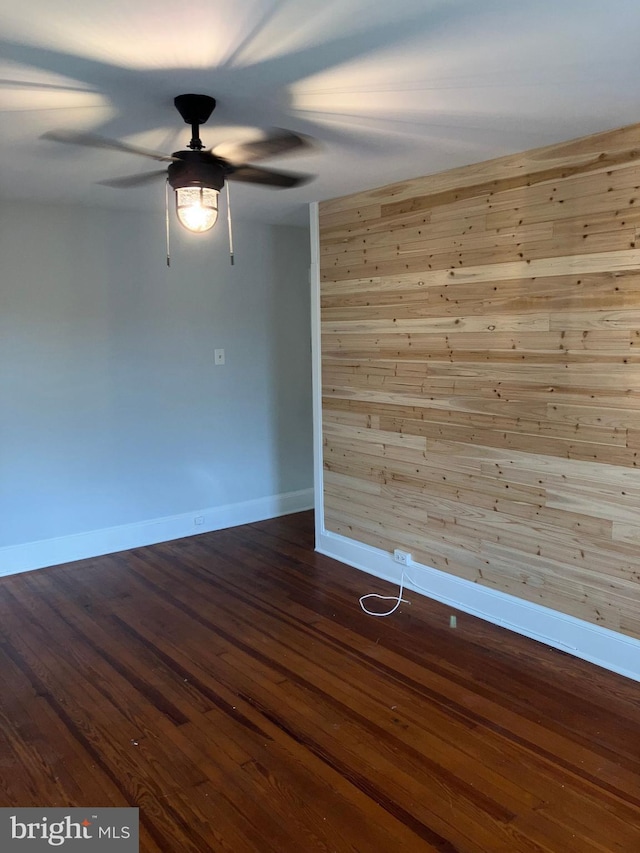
point(196, 169)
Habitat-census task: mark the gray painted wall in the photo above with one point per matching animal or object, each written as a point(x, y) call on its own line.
point(111, 409)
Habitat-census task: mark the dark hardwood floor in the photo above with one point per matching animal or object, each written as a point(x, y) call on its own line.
point(230, 686)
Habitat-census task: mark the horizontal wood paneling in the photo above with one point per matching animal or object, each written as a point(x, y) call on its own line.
point(481, 373)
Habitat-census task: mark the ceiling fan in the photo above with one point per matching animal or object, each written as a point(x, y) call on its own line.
point(198, 175)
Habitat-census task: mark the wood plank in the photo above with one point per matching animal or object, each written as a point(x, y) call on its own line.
point(603, 147)
point(598, 262)
point(450, 253)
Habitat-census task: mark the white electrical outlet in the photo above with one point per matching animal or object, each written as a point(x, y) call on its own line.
point(402, 557)
point(198, 520)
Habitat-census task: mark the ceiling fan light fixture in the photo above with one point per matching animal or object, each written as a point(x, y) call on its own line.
point(197, 175)
point(197, 207)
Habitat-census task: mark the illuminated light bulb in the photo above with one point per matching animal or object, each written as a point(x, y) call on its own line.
point(197, 208)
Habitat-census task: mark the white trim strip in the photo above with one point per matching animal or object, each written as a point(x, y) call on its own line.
point(316, 362)
point(605, 648)
point(82, 546)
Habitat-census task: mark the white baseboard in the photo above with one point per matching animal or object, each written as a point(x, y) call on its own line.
point(608, 649)
point(81, 546)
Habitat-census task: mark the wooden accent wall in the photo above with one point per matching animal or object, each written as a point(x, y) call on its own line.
point(481, 373)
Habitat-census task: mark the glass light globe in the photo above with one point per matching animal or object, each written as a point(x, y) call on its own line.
point(197, 208)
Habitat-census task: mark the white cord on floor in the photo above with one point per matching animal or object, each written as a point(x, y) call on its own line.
point(397, 598)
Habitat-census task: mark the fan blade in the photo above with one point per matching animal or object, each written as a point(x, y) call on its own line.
point(93, 141)
point(280, 142)
point(267, 177)
point(134, 180)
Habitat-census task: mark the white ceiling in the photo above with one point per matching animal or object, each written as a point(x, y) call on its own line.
point(387, 90)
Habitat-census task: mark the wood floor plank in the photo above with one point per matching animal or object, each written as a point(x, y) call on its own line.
point(230, 687)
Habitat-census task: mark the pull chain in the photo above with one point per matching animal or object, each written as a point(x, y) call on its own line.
point(166, 207)
point(229, 224)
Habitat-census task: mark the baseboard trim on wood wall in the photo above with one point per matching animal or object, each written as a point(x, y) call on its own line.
point(601, 646)
point(94, 543)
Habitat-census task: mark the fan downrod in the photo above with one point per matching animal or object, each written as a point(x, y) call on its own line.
point(195, 110)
